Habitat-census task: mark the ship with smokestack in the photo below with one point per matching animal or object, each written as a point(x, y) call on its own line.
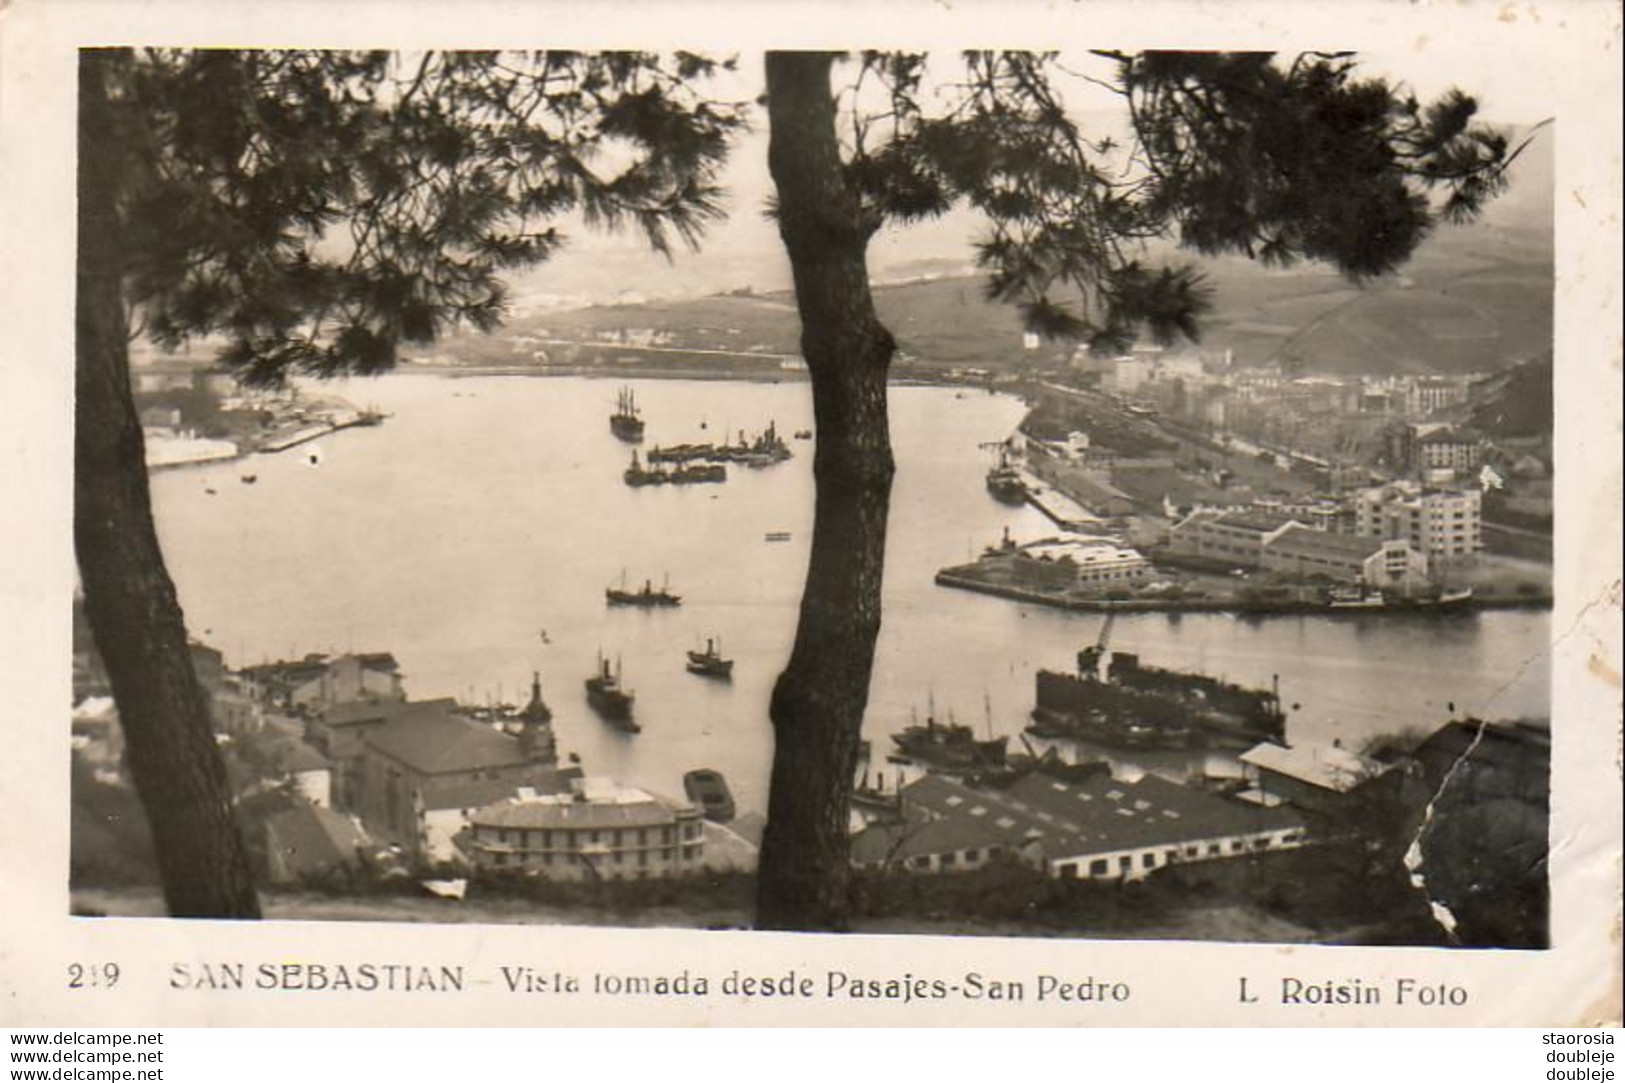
point(1115, 700)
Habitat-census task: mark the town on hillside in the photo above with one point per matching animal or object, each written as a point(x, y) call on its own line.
point(342, 780)
point(1179, 480)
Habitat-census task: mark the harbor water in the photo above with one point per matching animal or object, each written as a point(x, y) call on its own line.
point(473, 535)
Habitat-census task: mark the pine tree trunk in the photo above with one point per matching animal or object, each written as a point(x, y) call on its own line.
point(129, 599)
point(819, 700)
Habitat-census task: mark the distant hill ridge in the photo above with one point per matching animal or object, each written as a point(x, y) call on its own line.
point(1475, 298)
point(1464, 305)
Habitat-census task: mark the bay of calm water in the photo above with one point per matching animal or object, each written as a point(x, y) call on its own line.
point(489, 510)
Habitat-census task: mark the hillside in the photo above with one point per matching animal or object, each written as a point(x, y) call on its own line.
point(1518, 402)
point(1462, 306)
point(1475, 298)
point(1471, 300)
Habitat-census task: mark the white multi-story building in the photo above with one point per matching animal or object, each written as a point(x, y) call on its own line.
point(1425, 395)
point(600, 830)
point(1445, 524)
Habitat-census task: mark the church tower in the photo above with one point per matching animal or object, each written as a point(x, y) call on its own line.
point(536, 726)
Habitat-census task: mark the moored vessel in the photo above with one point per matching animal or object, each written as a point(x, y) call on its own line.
point(1114, 700)
point(646, 597)
point(709, 790)
point(949, 746)
point(686, 473)
point(625, 421)
point(1004, 480)
point(610, 698)
point(710, 662)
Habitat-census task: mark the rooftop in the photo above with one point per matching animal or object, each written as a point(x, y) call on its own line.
point(1261, 521)
point(433, 740)
point(304, 669)
point(477, 794)
point(1094, 815)
point(1325, 766)
point(311, 838)
point(1450, 436)
point(362, 712)
point(296, 757)
point(882, 843)
point(1080, 551)
point(1497, 742)
point(593, 804)
point(1307, 540)
point(383, 661)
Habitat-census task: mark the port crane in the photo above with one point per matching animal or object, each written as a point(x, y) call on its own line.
point(1092, 661)
point(1001, 446)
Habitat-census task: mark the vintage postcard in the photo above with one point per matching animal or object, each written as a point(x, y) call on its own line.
point(680, 515)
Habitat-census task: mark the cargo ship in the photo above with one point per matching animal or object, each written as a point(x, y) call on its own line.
point(949, 746)
point(611, 699)
point(646, 597)
point(1004, 481)
point(1114, 700)
point(625, 422)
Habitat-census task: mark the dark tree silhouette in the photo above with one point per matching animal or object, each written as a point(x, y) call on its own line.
point(319, 209)
point(315, 210)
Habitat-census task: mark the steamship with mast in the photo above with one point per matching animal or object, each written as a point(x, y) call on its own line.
point(607, 695)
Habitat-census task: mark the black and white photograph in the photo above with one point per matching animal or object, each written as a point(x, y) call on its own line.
point(1083, 494)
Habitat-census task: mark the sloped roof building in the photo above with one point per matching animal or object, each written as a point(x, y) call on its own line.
point(1094, 828)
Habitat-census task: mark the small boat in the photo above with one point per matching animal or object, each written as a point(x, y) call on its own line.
point(1344, 599)
point(776, 536)
point(710, 663)
point(1437, 598)
point(1355, 598)
point(446, 889)
point(612, 700)
point(249, 479)
point(709, 790)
